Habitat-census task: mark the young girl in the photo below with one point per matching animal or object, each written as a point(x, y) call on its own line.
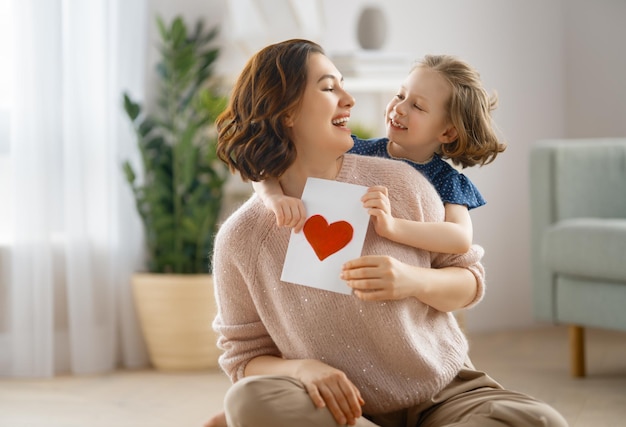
point(440, 112)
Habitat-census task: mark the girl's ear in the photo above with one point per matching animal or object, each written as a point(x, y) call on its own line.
point(449, 135)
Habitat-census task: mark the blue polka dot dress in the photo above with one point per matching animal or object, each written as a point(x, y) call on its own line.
point(452, 186)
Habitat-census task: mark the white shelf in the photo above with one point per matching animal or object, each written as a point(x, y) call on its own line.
point(372, 85)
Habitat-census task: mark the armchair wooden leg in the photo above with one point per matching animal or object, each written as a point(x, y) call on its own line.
point(577, 350)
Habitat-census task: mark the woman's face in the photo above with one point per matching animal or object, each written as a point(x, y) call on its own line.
point(417, 117)
point(319, 126)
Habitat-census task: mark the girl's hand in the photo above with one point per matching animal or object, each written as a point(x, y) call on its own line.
point(379, 278)
point(289, 211)
point(376, 201)
point(331, 388)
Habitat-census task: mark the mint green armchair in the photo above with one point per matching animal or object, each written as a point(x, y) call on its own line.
point(578, 236)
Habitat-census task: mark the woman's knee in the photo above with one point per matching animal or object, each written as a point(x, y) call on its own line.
point(273, 401)
point(550, 416)
point(251, 396)
point(526, 412)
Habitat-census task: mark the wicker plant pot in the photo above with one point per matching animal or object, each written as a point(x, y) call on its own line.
point(175, 312)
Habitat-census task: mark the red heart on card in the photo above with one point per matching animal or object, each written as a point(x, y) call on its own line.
point(324, 238)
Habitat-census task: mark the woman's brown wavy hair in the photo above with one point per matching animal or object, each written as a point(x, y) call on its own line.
point(469, 109)
point(252, 137)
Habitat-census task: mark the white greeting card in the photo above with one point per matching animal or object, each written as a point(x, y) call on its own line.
point(333, 234)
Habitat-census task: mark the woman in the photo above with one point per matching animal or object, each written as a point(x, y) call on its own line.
point(390, 354)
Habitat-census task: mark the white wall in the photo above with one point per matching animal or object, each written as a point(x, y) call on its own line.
point(558, 68)
point(595, 53)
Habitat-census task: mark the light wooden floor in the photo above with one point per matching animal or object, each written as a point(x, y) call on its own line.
point(533, 361)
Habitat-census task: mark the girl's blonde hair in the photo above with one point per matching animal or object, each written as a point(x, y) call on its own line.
point(469, 108)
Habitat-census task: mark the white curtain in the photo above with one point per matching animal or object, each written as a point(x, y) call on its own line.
point(76, 237)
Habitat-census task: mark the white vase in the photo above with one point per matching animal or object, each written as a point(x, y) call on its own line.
point(372, 28)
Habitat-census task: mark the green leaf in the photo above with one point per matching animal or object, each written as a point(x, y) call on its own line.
point(178, 32)
point(162, 28)
point(146, 126)
point(129, 172)
point(207, 60)
point(162, 71)
point(190, 227)
point(131, 108)
point(208, 37)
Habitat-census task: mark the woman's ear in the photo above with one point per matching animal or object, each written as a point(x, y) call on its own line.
point(288, 120)
point(449, 135)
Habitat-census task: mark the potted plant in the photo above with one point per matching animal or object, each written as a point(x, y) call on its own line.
point(178, 199)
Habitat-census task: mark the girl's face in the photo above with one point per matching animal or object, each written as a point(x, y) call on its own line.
point(417, 119)
point(319, 128)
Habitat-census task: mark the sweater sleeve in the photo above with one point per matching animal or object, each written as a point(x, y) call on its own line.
point(469, 260)
point(242, 334)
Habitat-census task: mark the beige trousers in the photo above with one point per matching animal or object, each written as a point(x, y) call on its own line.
point(472, 399)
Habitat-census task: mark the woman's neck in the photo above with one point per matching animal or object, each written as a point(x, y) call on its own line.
point(294, 179)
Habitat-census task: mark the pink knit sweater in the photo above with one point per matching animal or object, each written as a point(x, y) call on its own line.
point(398, 353)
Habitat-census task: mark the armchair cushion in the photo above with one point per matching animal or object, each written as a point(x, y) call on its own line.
point(592, 303)
point(587, 247)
